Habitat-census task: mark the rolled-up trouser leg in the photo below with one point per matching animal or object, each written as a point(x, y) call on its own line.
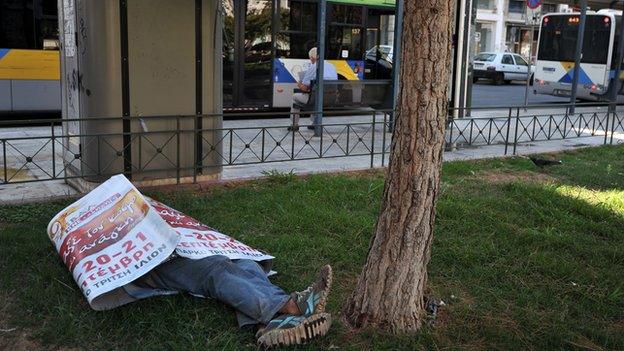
point(298, 99)
point(239, 284)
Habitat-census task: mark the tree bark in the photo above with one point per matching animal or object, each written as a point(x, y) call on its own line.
point(389, 292)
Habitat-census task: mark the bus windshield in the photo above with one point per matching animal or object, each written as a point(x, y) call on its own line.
point(558, 38)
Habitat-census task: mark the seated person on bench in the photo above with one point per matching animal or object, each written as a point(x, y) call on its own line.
point(305, 88)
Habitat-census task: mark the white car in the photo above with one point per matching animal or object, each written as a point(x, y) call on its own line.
point(501, 67)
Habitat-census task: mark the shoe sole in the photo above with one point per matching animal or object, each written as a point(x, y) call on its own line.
point(312, 327)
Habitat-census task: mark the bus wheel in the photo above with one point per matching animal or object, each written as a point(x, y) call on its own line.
point(499, 79)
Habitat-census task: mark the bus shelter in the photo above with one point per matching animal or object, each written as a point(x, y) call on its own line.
point(141, 90)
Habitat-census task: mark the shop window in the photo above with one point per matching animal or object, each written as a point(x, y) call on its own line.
point(483, 37)
point(517, 6)
point(549, 8)
point(485, 4)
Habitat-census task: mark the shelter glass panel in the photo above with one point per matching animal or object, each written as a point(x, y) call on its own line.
point(28, 24)
point(258, 47)
point(297, 32)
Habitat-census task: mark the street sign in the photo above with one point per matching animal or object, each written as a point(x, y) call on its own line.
point(533, 4)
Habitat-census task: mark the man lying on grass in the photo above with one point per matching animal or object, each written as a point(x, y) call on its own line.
point(282, 319)
point(121, 246)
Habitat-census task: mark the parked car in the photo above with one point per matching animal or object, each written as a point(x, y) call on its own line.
point(501, 67)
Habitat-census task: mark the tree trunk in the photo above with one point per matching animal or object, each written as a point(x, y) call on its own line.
point(389, 292)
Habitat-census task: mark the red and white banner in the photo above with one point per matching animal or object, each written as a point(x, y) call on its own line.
point(198, 240)
point(110, 237)
point(114, 235)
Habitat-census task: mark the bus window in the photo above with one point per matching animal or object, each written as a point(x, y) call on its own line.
point(616, 40)
point(297, 32)
point(345, 32)
point(559, 34)
point(596, 40)
point(378, 56)
point(27, 24)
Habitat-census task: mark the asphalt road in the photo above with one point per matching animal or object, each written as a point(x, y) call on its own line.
point(485, 94)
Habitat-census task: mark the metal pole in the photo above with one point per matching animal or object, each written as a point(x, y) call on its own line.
point(578, 54)
point(466, 73)
point(472, 52)
point(320, 69)
point(396, 57)
point(526, 90)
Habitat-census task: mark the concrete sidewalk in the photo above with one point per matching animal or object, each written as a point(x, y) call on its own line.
point(261, 146)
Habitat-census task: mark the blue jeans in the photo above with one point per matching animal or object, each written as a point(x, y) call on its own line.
point(242, 284)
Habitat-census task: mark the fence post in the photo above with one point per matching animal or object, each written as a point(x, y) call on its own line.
point(580, 127)
point(516, 131)
point(322, 131)
point(550, 120)
point(606, 126)
point(451, 122)
point(615, 116)
point(489, 138)
point(372, 161)
point(383, 138)
point(4, 166)
point(263, 138)
point(292, 146)
point(54, 151)
point(348, 137)
point(472, 122)
point(508, 127)
point(565, 126)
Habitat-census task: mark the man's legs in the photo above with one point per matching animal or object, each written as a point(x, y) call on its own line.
point(298, 99)
point(238, 284)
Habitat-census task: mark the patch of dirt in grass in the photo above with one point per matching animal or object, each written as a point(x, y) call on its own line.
point(16, 338)
point(11, 337)
point(497, 177)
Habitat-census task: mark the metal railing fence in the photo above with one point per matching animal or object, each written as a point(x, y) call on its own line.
point(174, 147)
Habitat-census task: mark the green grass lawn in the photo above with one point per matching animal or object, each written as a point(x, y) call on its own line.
point(525, 259)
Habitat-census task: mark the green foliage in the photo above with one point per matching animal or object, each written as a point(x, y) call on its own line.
point(524, 258)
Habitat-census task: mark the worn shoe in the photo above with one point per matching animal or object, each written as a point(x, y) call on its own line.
point(293, 128)
point(313, 299)
point(311, 127)
point(289, 330)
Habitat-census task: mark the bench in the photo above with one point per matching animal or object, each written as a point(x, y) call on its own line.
point(349, 95)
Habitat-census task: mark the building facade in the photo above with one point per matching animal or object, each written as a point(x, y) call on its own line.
point(507, 26)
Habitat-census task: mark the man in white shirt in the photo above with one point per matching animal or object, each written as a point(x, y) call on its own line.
point(302, 98)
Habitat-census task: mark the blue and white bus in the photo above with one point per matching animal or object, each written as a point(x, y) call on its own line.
point(554, 68)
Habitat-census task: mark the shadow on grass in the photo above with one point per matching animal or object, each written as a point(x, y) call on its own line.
point(522, 265)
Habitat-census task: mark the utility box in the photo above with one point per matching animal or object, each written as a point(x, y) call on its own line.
point(141, 90)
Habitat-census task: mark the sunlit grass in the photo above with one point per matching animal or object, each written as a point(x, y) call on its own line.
point(611, 200)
